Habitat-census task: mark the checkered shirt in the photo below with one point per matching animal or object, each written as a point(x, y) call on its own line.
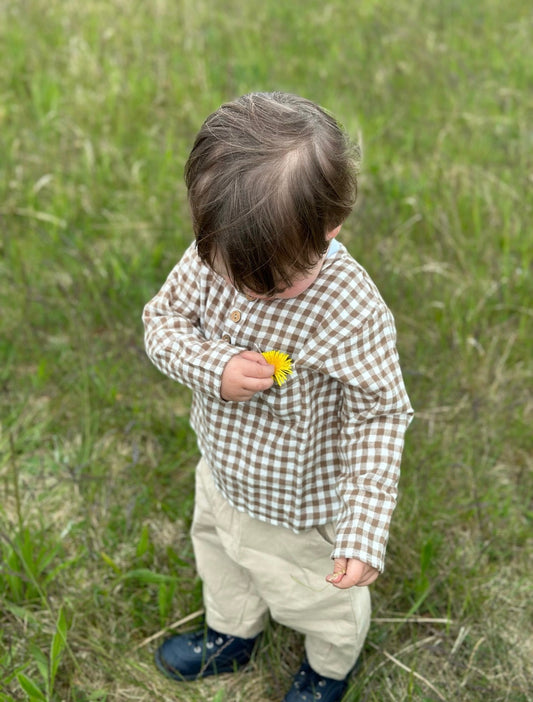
point(325, 446)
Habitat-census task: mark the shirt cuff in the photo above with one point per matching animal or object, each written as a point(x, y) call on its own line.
point(205, 372)
point(363, 541)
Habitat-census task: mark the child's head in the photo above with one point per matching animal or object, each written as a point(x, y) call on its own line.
point(268, 177)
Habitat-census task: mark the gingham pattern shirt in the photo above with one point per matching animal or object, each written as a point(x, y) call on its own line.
point(325, 446)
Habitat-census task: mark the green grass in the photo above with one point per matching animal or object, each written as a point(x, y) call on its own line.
point(99, 103)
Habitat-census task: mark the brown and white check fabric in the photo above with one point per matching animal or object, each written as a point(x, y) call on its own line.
point(325, 446)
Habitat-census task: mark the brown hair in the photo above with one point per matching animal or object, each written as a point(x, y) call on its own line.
point(269, 175)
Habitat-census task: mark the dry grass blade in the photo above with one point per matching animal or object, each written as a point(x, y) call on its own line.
point(176, 625)
point(410, 671)
point(411, 620)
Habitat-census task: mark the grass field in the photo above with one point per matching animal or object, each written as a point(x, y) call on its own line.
point(99, 103)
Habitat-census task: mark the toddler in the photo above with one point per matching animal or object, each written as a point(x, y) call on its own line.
point(299, 479)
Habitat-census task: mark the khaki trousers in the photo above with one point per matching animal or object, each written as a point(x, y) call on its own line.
point(250, 569)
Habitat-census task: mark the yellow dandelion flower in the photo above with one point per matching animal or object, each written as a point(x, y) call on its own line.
point(282, 364)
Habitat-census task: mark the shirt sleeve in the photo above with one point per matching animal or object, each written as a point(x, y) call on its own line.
point(375, 415)
point(174, 339)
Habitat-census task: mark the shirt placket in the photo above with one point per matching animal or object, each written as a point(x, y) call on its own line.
point(238, 313)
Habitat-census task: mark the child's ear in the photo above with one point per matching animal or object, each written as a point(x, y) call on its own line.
point(333, 233)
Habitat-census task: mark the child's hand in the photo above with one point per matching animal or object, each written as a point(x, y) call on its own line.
point(244, 375)
point(348, 572)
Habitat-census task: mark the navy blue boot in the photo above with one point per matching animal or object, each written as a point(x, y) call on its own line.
point(202, 653)
point(309, 686)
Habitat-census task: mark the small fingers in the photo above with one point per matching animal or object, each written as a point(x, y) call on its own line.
point(339, 571)
point(264, 371)
point(336, 577)
point(255, 384)
point(244, 375)
point(351, 572)
point(368, 579)
point(256, 369)
point(255, 357)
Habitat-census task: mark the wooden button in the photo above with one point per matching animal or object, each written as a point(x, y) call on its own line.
point(226, 337)
point(235, 316)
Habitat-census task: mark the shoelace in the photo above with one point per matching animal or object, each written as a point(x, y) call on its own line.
point(209, 640)
point(309, 681)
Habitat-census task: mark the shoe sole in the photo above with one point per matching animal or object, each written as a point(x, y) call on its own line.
point(208, 671)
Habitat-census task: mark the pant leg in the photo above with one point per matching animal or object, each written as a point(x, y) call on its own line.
point(289, 572)
point(248, 566)
point(232, 603)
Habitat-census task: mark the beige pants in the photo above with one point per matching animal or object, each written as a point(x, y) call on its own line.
point(250, 568)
